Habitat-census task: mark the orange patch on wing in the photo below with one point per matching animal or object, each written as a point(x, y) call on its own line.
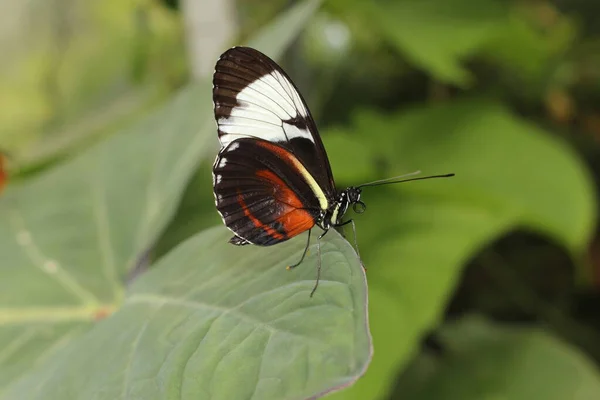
point(283, 193)
point(296, 220)
point(270, 231)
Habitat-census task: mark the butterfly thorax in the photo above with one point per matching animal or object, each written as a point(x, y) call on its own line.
point(334, 215)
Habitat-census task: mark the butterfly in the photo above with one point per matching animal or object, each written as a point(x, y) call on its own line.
point(272, 179)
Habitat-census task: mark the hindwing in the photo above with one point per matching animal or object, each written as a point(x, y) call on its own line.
point(264, 193)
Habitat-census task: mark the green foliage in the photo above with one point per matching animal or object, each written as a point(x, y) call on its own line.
point(83, 71)
point(416, 238)
point(72, 235)
point(210, 320)
point(202, 324)
point(440, 37)
point(437, 34)
point(490, 361)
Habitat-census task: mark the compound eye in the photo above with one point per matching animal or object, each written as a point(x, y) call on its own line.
point(359, 207)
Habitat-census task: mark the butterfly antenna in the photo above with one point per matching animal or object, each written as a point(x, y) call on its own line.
point(401, 178)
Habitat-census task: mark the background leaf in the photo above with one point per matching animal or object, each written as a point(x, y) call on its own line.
point(482, 360)
point(223, 322)
point(439, 35)
point(420, 234)
point(70, 237)
point(74, 70)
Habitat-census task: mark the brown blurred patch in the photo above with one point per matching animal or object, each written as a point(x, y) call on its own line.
point(438, 92)
point(547, 15)
point(3, 173)
point(594, 254)
point(102, 313)
point(560, 106)
point(591, 124)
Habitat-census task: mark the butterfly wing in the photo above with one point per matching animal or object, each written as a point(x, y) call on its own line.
point(272, 178)
point(262, 192)
point(254, 98)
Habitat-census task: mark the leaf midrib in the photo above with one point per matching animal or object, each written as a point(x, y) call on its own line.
point(27, 315)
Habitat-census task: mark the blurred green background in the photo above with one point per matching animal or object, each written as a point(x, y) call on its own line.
point(485, 286)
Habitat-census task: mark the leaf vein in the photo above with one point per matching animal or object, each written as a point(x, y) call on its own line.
point(61, 275)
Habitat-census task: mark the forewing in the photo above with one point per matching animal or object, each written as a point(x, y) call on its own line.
point(261, 194)
point(254, 98)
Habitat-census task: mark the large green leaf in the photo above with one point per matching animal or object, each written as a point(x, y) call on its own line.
point(70, 236)
point(416, 237)
point(438, 36)
point(489, 361)
point(217, 321)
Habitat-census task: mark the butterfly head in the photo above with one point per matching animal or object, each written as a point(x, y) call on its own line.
point(352, 195)
point(347, 197)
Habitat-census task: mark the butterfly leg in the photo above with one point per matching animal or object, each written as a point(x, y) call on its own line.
point(289, 267)
point(238, 241)
point(355, 242)
point(319, 262)
point(341, 231)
